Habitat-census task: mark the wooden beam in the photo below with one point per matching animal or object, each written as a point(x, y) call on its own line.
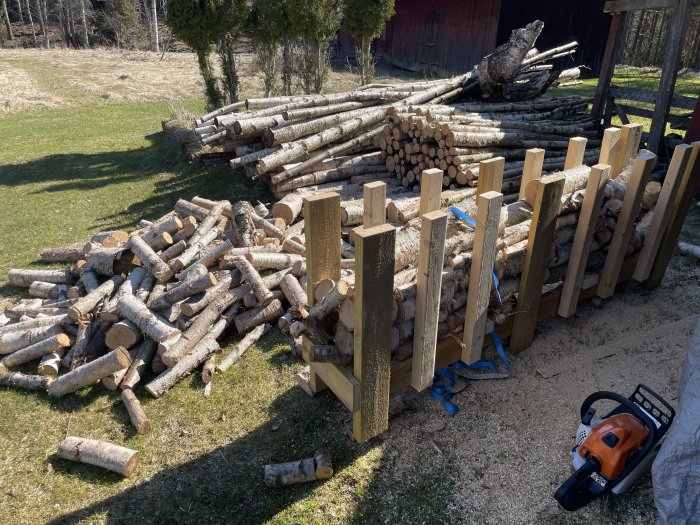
point(575, 152)
point(610, 146)
point(338, 378)
point(430, 190)
point(322, 232)
point(641, 169)
point(532, 169)
point(490, 175)
point(429, 283)
point(588, 216)
point(607, 67)
point(630, 136)
point(373, 296)
point(673, 38)
point(621, 6)
point(539, 245)
point(681, 204)
point(481, 274)
point(374, 204)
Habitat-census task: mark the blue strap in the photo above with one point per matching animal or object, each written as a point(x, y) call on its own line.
point(443, 388)
point(460, 214)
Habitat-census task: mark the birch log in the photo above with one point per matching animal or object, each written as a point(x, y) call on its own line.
point(100, 454)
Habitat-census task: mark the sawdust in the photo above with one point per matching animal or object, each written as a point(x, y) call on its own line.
point(508, 447)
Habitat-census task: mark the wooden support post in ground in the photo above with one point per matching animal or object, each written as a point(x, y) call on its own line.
point(430, 190)
point(481, 274)
point(588, 216)
point(684, 196)
point(615, 35)
point(575, 152)
point(641, 169)
point(490, 175)
point(663, 210)
point(532, 169)
point(539, 245)
point(610, 146)
point(322, 232)
point(338, 378)
point(673, 37)
point(631, 134)
point(374, 284)
point(429, 282)
point(374, 204)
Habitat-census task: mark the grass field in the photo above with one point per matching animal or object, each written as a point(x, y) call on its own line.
point(87, 162)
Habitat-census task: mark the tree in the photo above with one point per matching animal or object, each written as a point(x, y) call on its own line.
point(7, 32)
point(316, 22)
point(364, 20)
point(267, 26)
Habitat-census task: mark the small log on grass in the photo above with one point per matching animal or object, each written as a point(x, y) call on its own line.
point(149, 259)
point(24, 381)
point(34, 351)
point(136, 413)
point(21, 277)
point(17, 340)
point(282, 474)
point(137, 312)
point(90, 373)
point(99, 453)
point(61, 254)
point(242, 345)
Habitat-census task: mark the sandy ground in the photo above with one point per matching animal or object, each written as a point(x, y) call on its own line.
point(508, 446)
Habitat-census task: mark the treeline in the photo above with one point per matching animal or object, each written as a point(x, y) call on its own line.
point(291, 37)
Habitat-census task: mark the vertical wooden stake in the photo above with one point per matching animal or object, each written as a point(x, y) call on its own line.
point(681, 203)
point(374, 284)
point(610, 146)
point(430, 260)
point(631, 134)
point(532, 169)
point(322, 231)
point(374, 202)
point(641, 169)
point(662, 210)
point(490, 175)
point(430, 190)
point(615, 35)
point(481, 274)
point(539, 245)
point(590, 209)
point(575, 152)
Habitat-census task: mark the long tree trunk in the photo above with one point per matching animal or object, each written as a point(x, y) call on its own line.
point(228, 66)
point(212, 91)
point(7, 20)
point(287, 66)
point(31, 22)
point(83, 19)
point(155, 43)
point(19, 11)
point(42, 8)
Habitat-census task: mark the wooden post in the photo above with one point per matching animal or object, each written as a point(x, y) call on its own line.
point(673, 37)
point(322, 232)
point(481, 274)
point(610, 146)
point(629, 145)
point(490, 175)
point(539, 245)
point(588, 216)
point(575, 152)
point(374, 204)
point(374, 284)
point(681, 203)
point(430, 260)
point(608, 66)
point(641, 169)
point(430, 189)
point(532, 169)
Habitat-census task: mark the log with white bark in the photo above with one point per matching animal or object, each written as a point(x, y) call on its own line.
point(138, 313)
point(184, 290)
point(293, 291)
point(272, 261)
point(194, 250)
point(44, 290)
point(310, 469)
point(34, 351)
point(39, 322)
point(149, 259)
point(100, 454)
point(85, 305)
point(51, 363)
point(139, 365)
point(253, 317)
point(253, 278)
point(124, 333)
point(24, 381)
point(61, 254)
point(239, 348)
point(14, 341)
point(136, 414)
point(90, 373)
point(23, 277)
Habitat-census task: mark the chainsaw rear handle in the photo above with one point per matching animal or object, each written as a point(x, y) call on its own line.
point(637, 411)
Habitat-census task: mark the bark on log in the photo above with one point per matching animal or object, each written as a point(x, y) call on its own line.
point(35, 351)
point(34, 323)
point(51, 363)
point(328, 354)
point(81, 340)
point(248, 340)
point(137, 312)
point(184, 290)
point(272, 261)
point(129, 287)
point(22, 277)
point(61, 254)
point(257, 285)
point(332, 300)
point(149, 259)
point(14, 341)
point(90, 373)
point(288, 208)
point(190, 254)
point(89, 280)
point(173, 251)
point(207, 223)
point(198, 302)
point(44, 290)
point(282, 474)
point(85, 305)
point(259, 315)
point(242, 233)
point(24, 381)
point(100, 454)
point(293, 291)
point(136, 413)
point(103, 260)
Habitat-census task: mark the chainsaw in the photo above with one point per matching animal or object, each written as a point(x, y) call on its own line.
point(612, 453)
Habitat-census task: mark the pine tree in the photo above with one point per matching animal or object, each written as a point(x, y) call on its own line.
point(364, 20)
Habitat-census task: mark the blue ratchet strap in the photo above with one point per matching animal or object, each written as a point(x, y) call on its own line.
point(443, 388)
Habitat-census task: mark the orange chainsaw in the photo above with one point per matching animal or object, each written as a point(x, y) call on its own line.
point(612, 453)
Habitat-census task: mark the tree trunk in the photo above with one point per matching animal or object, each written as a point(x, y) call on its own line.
point(83, 19)
point(8, 25)
point(99, 453)
point(214, 97)
point(228, 66)
point(31, 23)
point(19, 11)
point(155, 42)
point(287, 66)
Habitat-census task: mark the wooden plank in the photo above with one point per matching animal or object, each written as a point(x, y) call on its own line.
point(610, 146)
point(631, 134)
point(481, 274)
point(539, 245)
point(575, 152)
point(322, 232)
point(429, 283)
point(532, 169)
point(490, 175)
point(588, 216)
point(619, 6)
point(647, 95)
point(681, 204)
point(338, 378)
point(641, 169)
point(373, 296)
point(673, 39)
point(430, 189)
point(615, 36)
point(374, 204)
point(634, 110)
